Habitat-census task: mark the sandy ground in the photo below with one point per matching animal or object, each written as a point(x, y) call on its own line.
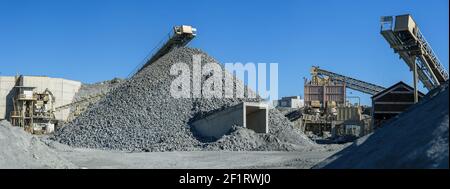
point(95, 159)
point(21, 150)
point(102, 159)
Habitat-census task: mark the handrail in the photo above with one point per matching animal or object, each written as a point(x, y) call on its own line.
point(431, 52)
point(150, 54)
point(352, 83)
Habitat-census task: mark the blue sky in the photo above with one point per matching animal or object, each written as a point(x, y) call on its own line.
point(95, 40)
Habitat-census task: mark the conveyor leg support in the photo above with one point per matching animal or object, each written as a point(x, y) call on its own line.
point(416, 95)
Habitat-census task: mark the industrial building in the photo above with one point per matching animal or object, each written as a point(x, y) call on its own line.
point(391, 102)
point(321, 92)
point(327, 109)
point(6, 94)
point(289, 102)
point(29, 100)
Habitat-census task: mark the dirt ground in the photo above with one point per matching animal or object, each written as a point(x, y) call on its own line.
point(194, 160)
point(20, 150)
point(102, 159)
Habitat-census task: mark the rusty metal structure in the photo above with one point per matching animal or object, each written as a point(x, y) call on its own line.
point(322, 96)
point(321, 91)
point(33, 110)
point(326, 108)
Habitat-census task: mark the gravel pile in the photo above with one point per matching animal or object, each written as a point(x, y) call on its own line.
point(416, 139)
point(91, 94)
point(20, 150)
point(141, 115)
point(87, 90)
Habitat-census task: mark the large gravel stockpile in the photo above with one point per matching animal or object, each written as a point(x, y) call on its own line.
point(88, 90)
point(417, 138)
point(19, 150)
point(90, 94)
point(141, 115)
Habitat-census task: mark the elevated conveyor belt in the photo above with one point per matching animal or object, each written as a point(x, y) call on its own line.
point(351, 83)
point(180, 37)
point(405, 38)
point(73, 104)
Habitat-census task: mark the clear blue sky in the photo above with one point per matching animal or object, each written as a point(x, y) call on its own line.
point(95, 40)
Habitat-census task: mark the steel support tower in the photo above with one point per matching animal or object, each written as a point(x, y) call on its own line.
point(404, 36)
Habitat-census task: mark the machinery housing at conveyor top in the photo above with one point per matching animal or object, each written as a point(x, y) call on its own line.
point(405, 38)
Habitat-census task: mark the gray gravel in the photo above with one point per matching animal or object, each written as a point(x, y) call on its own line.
point(416, 139)
point(87, 90)
point(141, 115)
point(91, 94)
point(20, 150)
